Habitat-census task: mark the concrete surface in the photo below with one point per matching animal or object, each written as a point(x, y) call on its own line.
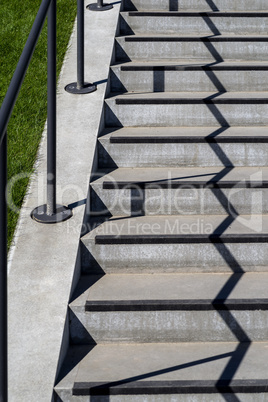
point(43, 258)
point(191, 153)
point(183, 24)
point(177, 47)
point(216, 5)
point(187, 257)
point(188, 76)
point(187, 109)
point(192, 324)
point(158, 362)
point(124, 198)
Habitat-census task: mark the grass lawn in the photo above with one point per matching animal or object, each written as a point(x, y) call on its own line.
point(29, 115)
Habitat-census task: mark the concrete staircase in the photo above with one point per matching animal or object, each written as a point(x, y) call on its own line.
point(172, 303)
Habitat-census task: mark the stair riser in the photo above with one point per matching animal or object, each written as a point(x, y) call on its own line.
point(200, 5)
point(209, 51)
point(161, 114)
point(164, 258)
point(173, 155)
point(187, 81)
point(169, 201)
point(66, 396)
point(168, 326)
point(199, 25)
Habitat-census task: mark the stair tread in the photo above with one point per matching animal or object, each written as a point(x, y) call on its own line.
point(198, 132)
point(209, 96)
point(181, 64)
point(239, 176)
point(176, 287)
point(196, 10)
point(210, 13)
point(181, 226)
point(175, 36)
point(155, 364)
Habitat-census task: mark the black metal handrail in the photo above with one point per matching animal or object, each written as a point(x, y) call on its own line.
point(51, 212)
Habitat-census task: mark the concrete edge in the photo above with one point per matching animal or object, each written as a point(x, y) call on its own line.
point(44, 261)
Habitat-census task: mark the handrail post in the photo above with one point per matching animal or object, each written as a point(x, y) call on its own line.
point(80, 45)
point(51, 212)
point(3, 271)
point(80, 87)
point(51, 109)
point(99, 6)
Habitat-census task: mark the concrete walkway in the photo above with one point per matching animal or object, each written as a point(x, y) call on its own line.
point(43, 262)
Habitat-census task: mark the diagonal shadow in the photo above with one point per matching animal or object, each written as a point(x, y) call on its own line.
point(164, 371)
point(244, 341)
point(213, 51)
point(212, 5)
point(210, 24)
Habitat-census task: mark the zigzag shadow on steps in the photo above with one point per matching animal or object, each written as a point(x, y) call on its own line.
point(244, 341)
point(226, 315)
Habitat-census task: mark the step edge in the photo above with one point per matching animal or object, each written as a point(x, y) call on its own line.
point(177, 305)
point(170, 387)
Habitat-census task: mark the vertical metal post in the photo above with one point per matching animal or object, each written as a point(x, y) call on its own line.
point(80, 44)
point(3, 271)
point(51, 108)
point(80, 87)
point(51, 212)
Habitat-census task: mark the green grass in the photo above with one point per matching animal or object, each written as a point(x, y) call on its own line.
point(29, 115)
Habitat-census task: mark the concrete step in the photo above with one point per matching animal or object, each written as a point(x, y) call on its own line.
point(180, 372)
point(197, 5)
point(176, 76)
point(171, 308)
point(183, 146)
point(181, 191)
point(194, 22)
point(187, 109)
point(210, 48)
point(186, 243)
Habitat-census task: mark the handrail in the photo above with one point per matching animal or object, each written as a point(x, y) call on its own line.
point(21, 69)
point(3, 270)
point(50, 212)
